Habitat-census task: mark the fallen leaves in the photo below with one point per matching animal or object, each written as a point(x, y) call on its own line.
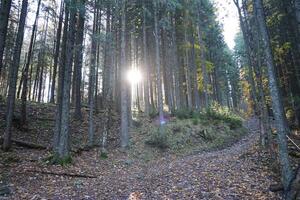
point(236, 172)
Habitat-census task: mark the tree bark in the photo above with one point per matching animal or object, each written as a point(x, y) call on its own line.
point(61, 137)
point(277, 105)
point(195, 77)
point(57, 48)
point(146, 67)
point(203, 61)
point(56, 136)
point(92, 82)
point(25, 74)
point(64, 139)
point(124, 84)
point(249, 53)
point(176, 72)
point(157, 63)
point(78, 60)
point(187, 63)
point(107, 56)
point(43, 67)
point(13, 75)
point(4, 16)
point(297, 12)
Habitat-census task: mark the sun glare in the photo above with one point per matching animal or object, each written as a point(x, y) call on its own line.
point(134, 76)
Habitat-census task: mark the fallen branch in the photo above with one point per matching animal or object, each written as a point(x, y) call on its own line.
point(26, 144)
point(62, 174)
point(293, 142)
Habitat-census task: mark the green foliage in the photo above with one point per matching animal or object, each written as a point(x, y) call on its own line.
point(183, 113)
point(8, 159)
point(184, 136)
point(137, 123)
point(158, 138)
point(55, 159)
point(153, 114)
point(195, 121)
point(103, 155)
point(207, 134)
point(176, 128)
point(217, 112)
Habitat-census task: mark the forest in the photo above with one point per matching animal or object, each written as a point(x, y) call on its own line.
point(145, 99)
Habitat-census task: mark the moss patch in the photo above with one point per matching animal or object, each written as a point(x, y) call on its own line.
point(55, 159)
point(185, 135)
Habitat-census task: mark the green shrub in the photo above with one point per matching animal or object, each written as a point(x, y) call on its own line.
point(153, 114)
point(10, 158)
point(207, 134)
point(54, 159)
point(176, 128)
point(158, 138)
point(103, 155)
point(219, 113)
point(195, 121)
point(185, 114)
point(137, 123)
point(234, 122)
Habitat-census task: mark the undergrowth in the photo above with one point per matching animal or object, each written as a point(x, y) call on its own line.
point(55, 159)
point(214, 113)
point(186, 132)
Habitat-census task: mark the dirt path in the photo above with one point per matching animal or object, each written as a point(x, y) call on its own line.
point(232, 173)
point(236, 172)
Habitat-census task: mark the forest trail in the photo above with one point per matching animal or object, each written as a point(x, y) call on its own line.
point(232, 173)
point(236, 172)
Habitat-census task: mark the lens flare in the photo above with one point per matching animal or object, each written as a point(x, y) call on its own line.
point(134, 76)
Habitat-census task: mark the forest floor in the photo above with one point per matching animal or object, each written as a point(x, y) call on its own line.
point(239, 171)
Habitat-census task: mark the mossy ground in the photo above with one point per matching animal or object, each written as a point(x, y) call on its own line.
point(186, 135)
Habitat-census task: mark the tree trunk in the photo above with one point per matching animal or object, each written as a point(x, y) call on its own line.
point(13, 75)
point(22, 78)
point(78, 60)
point(56, 136)
point(124, 84)
point(4, 16)
point(187, 65)
point(35, 85)
point(98, 62)
point(195, 77)
point(25, 74)
point(277, 105)
point(57, 48)
point(146, 67)
point(297, 12)
point(92, 82)
point(157, 63)
point(249, 53)
point(203, 61)
point(107, 56)
point(62, 126)
point(176, 72)
point(43, 67)
point(64, 140)
point(30, 81)
point(168, 71)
